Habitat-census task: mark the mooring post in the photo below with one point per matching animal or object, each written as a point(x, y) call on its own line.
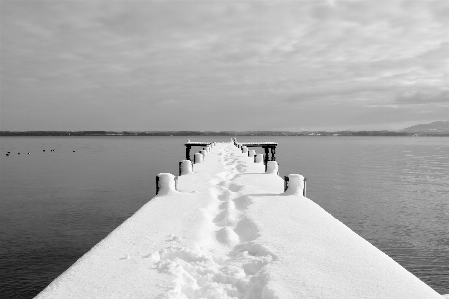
point(197, 158)
point(295, 183)
point(165, 182)
point(272, 167)
point(266, 149)
point(251, 153)
point(185, 167)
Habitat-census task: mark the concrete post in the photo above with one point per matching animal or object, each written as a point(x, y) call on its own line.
point(251, 153)
point(204, 153)
point(244, 149)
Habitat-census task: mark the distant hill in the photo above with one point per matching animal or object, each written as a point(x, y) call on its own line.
point(435, 127)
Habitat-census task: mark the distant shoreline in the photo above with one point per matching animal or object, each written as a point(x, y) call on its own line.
point(223, 133)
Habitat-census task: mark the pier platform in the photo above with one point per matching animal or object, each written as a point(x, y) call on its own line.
point(230, 230)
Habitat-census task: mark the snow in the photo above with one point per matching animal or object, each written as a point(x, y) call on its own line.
point(229, 231)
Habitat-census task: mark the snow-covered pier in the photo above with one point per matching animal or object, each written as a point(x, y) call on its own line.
point(227, 228)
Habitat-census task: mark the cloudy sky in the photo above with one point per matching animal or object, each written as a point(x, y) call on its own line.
point(223, 65)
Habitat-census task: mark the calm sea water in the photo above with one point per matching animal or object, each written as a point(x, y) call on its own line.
point(54, 206)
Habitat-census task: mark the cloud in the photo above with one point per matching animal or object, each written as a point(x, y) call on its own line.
point(423, 98)
point(263, 54)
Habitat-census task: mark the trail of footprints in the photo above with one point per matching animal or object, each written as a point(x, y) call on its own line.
point(203, 273)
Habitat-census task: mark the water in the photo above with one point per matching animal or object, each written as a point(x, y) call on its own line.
point(54, 206)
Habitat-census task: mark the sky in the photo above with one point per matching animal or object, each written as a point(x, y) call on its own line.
point(223, 65)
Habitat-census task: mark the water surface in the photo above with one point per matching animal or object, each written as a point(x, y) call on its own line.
point(54, 206)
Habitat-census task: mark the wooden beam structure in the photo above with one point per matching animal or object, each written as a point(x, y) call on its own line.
point(190, 144)
point(267, 146)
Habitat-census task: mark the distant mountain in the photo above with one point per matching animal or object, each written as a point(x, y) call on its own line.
point(435, 127)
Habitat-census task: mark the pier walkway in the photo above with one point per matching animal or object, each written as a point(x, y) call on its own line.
point(230, 231)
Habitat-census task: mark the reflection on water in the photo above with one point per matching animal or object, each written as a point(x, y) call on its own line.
point(55, 206)
point(394, 192)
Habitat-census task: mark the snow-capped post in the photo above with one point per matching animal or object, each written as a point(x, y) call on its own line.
point(258, 158)
point(197, 158)
point(204, 153)
point(251, 153)
point(165, 183)
point(244, 149)
point(272, 167)
point(295, 184)
point(185, 167)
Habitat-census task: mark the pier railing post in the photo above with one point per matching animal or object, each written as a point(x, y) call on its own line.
point(188, 152)
point(273, 152)
point(266, 149)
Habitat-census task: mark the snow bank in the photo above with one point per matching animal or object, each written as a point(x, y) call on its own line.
point(230, 231)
